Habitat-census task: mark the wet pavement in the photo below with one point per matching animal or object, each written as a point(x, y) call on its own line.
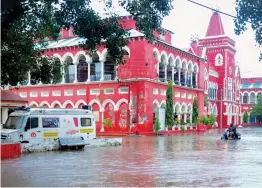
point(182, 160)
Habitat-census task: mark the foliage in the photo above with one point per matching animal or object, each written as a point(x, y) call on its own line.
point(204, 120)
point(169, 105)
point(257, 109)
point(156, 125)
point(205, 101)
point(183, 129)
point(245, 117)
point(108, 123)
point(195, 111)
point(211, 120)
point(249, 10)
point(25, 21)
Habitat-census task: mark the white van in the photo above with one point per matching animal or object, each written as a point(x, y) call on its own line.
point(41, 125)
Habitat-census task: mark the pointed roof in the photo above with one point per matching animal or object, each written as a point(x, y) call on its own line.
point(215, 26)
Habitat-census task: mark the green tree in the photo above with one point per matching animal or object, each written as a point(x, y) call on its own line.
point(257, 109)
point(169, 105)
point(195, 110)
point(156, 125)
point(249, 10)
point(25, 21)
point(245, 117)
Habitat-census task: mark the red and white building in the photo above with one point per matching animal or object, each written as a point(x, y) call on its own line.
point(251, 89)
point(136, 91)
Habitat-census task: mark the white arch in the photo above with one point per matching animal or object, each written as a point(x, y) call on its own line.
point(104, 54)
point(81, 101)
point(78, 55)
point(185, 107)
point(178, 62)
point(54, 103)
point(157, 53)
point(258, 92)
point(195, 65)
point(190, 108)
point(68, 54)
point(108, 101)
point(163, 54)
point(184, 64)
point(57, 56)
point(120, 102)
point(68, 102)
point(177, 105)
point(127, 49)
point(190, 65)
point(171, 57)
point(33, 103)
point(44, 103)
point(162, 102)
point(214, 110)
point(95, 101)
point(156, 102)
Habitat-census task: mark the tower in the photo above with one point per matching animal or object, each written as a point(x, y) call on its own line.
point(220, 52)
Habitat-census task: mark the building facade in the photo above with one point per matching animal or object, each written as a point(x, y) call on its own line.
point(251, 89)
point(131, 95)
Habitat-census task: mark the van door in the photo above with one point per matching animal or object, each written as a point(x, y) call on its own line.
point(86, 127)
point(32, 134)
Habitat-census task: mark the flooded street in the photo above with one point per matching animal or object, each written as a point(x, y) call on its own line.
point(182, 160)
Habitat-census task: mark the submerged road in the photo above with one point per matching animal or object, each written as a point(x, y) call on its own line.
point(182, 160)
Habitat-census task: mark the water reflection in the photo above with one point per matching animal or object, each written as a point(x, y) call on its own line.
point(183, 160)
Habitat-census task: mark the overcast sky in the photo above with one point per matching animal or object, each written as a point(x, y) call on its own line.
point(187, 18)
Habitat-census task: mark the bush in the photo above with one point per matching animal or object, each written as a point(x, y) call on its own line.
point(183, 129)
point(156, 125)
point(195, 110)
point(245, 117)
point(211, 120)
point(204, 120)
point(108, 123)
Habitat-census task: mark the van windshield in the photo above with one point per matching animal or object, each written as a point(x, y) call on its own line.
point(14, 122)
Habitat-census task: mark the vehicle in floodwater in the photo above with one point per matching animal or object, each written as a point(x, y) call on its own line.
point(230, 135)
point(71, 127)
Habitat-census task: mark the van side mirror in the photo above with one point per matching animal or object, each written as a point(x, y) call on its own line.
point(26, 128)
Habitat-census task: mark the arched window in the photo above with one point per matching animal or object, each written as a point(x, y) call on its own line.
point(252, 98)
point(245, 98)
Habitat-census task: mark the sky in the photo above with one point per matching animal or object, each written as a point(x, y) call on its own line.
point(188, 19)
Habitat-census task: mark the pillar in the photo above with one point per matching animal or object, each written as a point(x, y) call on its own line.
point(29, 78)
point(186, 78)
point(191, 79)
point(102, 70)
point(116, 76)
point(179, 76)
point(63, 74)
point(173, 72)
point(75, 80)
point(88, 72)
point(102, 120)
point(165, 72)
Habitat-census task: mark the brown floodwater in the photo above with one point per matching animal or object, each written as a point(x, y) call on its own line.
point(182, 161)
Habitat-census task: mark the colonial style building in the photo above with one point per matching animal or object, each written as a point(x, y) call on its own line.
point(131, 95)
point(251, 89)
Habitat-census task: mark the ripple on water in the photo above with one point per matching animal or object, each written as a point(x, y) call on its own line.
point(182, 160)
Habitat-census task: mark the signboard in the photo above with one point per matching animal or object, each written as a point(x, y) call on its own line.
point(50, 122)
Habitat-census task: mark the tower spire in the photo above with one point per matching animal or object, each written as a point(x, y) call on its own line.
point(215, 26)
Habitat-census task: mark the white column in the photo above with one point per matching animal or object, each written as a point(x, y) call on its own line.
point(196, 80)
point(191, 117)
point(75, 80)
point(88, 72)
point(102, 119)
point(63, 74)
point(29, 78)
point(185, 116)
point(116, 76)
point(173, 72)
point(165, 72)
point(102, 70)
point(185, 78)
point(191, 79)
point(179, 76)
